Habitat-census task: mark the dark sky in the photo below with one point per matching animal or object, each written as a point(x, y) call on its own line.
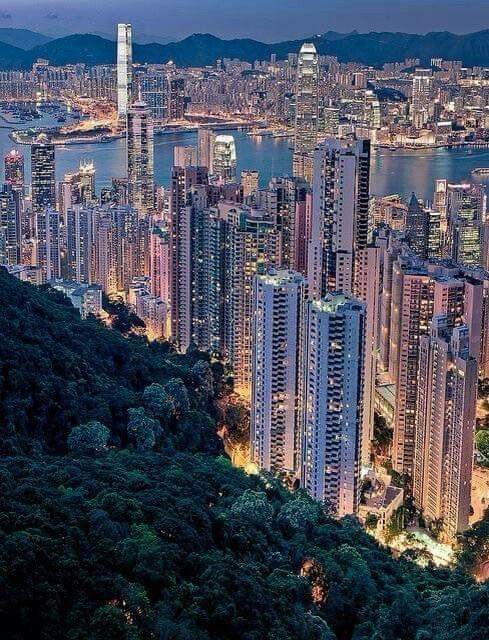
point(268, 20)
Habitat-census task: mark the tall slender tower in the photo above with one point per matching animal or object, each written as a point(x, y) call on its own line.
point(306, 110)
point(124, 69)
point(43, 174)
point(340, 208)
point(278, 305)
point(445, 419)
point(140, 158)
point(333, 364)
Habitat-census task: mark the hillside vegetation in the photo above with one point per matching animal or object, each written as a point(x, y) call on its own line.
point(120, 519)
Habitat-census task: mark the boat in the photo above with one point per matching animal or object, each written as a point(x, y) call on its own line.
point(480, 171)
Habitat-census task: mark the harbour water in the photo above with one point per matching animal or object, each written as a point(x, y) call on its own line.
point(398, 171)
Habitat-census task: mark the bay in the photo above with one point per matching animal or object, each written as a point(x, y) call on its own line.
point(399, 171)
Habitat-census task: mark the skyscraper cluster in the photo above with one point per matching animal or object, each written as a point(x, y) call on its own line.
point(314, 294)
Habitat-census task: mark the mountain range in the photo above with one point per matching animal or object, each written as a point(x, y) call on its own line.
point(20, 48)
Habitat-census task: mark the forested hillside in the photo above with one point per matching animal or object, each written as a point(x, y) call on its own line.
point(120, 519)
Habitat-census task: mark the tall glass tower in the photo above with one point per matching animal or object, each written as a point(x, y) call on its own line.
point(124, 68)
point(140, 158)
point(306, 109)
point(43, 174)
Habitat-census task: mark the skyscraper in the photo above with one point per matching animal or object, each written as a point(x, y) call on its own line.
point(183, 182)
point(445, 419)
point(47, 236)
point(253, 248)
point(224, 165)
point(14, 169)
point(278, 306)
point(333, 364)
point(79, 243)
point(249, 182)
point(205, 148)
point(340, 209)
point(124, 69)
point(306, 110)
point(43, 174)
point(140, 158)
point(417, 227)
point(10, 225)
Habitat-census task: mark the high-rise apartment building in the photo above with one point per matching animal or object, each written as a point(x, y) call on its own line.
point(80, 243)
point(278, 307)
point(47, 242)
point(10, 225)
point(184, 180)
point(254, 245)
point(124, 69)
point(445, 419)
point(333, 365)
point(340, 212)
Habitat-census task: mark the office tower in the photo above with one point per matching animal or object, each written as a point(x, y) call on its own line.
point(333, 364)
point(184, 156)
point(14, 169)
point(440, 204)
point(10, 225)
point(43, 174)
point(421, 97)
point(445, 419)
point(77, 187)
point(176, 99)
point(340, 212)
point(224, 165)
point(140, 159)
point(205, 148)
point(253, 248)
point(47, 239)
point(183, 181)
point(124, 69)
point(466, 216)
point(278, 306)
point(306, 110)
point(79, 243)
point(417, 227)
point(249, 182)
point(153, 87)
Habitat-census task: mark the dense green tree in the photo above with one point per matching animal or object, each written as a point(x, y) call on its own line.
point(142, 430)
point(89, 437)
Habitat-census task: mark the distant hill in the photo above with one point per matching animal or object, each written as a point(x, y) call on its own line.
point(13, 57)
point(22, 38)
point(204, 49)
